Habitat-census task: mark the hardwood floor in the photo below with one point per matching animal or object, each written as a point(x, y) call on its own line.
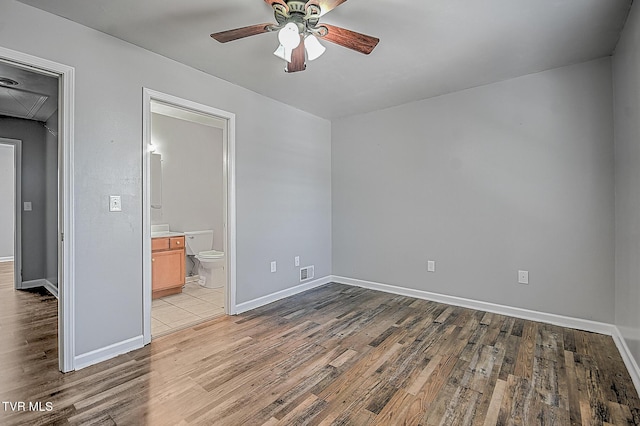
point(334, 355)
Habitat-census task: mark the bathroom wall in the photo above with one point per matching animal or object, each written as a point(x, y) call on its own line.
point(51, 200)
point(7, 194)
point(32, 135)
point(192, 172)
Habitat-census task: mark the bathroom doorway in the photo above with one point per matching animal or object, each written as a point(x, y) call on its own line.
point(188, 214)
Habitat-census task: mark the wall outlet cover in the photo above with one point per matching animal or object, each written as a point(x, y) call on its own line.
point(523, 277)
point(274, 266)
point(296, 261)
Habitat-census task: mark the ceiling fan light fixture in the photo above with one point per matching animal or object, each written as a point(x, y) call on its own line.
point(289, 36)
point(314, 48)
point(283, 53)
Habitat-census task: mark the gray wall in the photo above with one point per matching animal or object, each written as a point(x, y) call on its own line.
point(51, 200)
point(32, 135)
point(192, 160)
point(7, 197)
point(626, 67)
point(283, 180)
point(487, 181)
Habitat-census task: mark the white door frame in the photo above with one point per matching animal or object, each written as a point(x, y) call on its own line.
point(17, 211)
point(229, 184)
point(66, 256)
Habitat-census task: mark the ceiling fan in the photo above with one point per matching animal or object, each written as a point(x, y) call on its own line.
point(299, 29)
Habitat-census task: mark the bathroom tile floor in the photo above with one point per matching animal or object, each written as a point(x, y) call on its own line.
point(195, 304)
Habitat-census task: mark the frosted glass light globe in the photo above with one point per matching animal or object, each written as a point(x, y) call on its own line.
point(289, 36)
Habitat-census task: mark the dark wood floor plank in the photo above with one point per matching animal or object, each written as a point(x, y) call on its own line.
point(333, 355)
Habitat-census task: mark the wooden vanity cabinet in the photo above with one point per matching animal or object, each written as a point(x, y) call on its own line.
point(167, 265)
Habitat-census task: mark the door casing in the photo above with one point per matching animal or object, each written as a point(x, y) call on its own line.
point(229, 193)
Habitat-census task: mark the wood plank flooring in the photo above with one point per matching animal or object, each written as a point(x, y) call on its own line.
point(336, 355)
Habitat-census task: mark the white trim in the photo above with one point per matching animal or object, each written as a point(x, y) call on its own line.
point(66, 256)
point(561, 320)
point(146, 218)
point(51, 288)
point(229, 142)
point(627, 357)
point(6, 259)
point(42, 282)
point(108, 352)
point(230, 187)
point(274, 297)
point(17, 210)
point(33, 284)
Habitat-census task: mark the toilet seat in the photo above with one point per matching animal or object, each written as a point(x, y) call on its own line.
point(210, 254)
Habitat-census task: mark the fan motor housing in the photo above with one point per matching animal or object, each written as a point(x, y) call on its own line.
point(297, 13)
point(297, 6)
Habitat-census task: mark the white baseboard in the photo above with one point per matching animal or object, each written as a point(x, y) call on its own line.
point(627, 357)
point(51, 288)
point(40, 283)
point(273, 297)
point(108, 352)
point(561, 320)
point(6, 259)
point(33, 284)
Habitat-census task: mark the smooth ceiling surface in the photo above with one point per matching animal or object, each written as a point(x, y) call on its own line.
point(427, 47)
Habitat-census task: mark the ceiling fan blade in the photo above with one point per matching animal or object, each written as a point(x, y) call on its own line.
point(230, 35)
point(350, 39)
point(325, 5)
point(297, 58)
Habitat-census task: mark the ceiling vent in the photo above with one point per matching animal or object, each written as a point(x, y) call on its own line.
point(20, 104)
point(306, 273)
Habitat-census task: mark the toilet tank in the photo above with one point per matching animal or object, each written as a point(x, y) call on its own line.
point(197, 241)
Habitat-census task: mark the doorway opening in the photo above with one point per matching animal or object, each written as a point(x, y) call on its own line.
point(36, 109)
point(188, 213)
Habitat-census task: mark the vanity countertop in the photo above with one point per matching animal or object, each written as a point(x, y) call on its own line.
point(165, 234)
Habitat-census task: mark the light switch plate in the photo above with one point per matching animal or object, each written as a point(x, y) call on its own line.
point(273, 266)
point(27, 206)
point(296, 261)
point(431, 265)
point(115, 203)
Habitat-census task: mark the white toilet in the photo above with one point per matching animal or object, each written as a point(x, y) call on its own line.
point(211, 268)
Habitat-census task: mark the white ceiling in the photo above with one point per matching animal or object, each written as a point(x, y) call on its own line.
point(427, 47)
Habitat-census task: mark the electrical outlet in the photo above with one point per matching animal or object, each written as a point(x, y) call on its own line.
point(296, 261)
point(523, 277)
point(431, 265)
point(274, 267)
point(115, 203)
